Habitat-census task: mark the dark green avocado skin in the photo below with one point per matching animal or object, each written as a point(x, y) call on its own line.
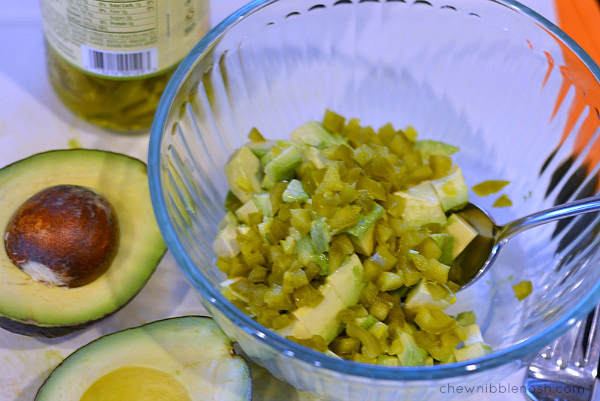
point(32, 330)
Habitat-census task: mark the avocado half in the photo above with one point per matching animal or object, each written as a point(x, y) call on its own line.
point(180, 359)
point(32, 308)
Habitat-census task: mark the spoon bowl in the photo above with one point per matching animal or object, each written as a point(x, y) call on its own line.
point(478, 257)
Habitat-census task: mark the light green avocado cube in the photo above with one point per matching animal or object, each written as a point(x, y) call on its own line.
point(348, 281)
point(282, 167)
point(295, 329)
point(275, 150)
point(294, 192)
point(412, 354)
point(366, 243)
point(244, 174)
point(263, 203)
point(462, 232)
point(366, 322)
point(229, 218)
point(260, 149)
point(320, 235)
point(244, 211)
point(366, 221)
point(429, 147)
point(323, 319)
point(472, 351)
point(307, 254)
point(446, 244)
point(225, 244)
point(452, 190)
point(423, 206)
point(314, 134)
point(428, 293)
point(312, 154)
point(473, 335)
point(265, 226)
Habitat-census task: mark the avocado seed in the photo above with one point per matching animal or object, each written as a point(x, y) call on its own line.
point(65, 235)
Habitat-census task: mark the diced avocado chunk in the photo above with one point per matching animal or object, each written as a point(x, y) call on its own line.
point(446, 244)
point(362, 234)
point(245, 210)
point(320, 235)
point(312, 154)
point(428, 293)
point(452, 190)
point(243, 174)
point(260, 149)
point(473, 335)
point(366, 222)
point(430, 147)
point(466, 318)
point(229, 218)
point(412, 354)
point(275, 151)
point(348, 280)
point(366, 243)
point(323, 319)
point(422, 206)
point(282, 167)
point(462, 232)
point(295, 329)
point(295, 192)
point(307, 254)
point(341, 290)
point(314, 134)
point(263, 203)
point(472, 351)
point(225, 244)
point(366, 322)
point(265, 226)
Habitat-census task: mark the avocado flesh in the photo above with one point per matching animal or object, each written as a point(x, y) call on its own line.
point(423, 206)
point(452, 190)
point(32, 308)
point(341, 290)
point(191, 356)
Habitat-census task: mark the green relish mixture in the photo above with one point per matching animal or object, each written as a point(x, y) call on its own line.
point(344, 239)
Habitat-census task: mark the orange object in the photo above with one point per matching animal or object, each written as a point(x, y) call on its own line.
point(580, 19)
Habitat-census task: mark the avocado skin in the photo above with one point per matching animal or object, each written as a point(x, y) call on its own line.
point(33, 328)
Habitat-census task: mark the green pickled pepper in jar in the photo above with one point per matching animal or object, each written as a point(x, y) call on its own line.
point(109, 61)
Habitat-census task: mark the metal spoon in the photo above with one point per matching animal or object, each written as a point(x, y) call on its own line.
point(479, 256)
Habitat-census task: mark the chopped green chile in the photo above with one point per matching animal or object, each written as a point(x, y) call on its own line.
point(503, 201)
point(339, 225)
point(434, 321)
point(306, 295)
point(315, 342)
point(256, 136)
point(489, 187)
point(522, 290)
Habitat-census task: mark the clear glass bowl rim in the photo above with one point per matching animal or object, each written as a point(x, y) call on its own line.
point(280, 344)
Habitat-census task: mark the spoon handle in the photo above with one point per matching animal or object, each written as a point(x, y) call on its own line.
point(582, 206)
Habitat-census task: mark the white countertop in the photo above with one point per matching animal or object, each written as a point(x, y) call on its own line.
point(33, 120)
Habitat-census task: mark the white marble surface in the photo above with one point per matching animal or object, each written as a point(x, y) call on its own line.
point(33, 120)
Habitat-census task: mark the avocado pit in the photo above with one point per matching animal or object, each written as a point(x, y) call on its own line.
point(65, 235)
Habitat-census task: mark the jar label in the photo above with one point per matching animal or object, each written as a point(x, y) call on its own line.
point(124, 38)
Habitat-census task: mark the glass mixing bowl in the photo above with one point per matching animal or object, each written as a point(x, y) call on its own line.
point(510, 89)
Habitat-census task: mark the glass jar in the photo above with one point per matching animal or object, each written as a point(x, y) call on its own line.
point(109, 60)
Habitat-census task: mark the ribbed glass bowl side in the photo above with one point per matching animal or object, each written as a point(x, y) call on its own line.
point(518, 97)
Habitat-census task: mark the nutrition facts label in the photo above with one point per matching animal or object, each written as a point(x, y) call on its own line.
point(124, 38)
point(118, 17)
